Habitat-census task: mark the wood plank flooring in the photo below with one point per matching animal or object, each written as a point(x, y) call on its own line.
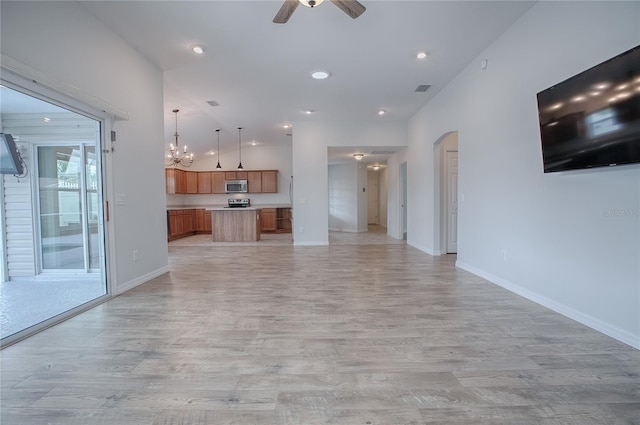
point(371, 333)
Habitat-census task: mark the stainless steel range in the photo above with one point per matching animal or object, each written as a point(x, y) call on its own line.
point(239, 202)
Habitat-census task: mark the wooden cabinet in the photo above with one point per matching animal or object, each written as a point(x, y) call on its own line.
point(204, 181)
point(181, 223)
point(192, 182)
point(170, 180)
point(203, 221)
point(254, 180)
point(269, 182)
point(268, 218)
point(283, 220)
point(217, 182)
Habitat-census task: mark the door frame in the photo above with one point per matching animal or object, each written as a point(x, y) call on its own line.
point(31, 87)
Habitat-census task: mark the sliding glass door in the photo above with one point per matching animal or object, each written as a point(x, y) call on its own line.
point(53, 239)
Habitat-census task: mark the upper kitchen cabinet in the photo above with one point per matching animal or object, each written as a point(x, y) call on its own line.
point(204, 182)
point(269, 182)
point(207, 182)
point(254, 180)
point(217, 181)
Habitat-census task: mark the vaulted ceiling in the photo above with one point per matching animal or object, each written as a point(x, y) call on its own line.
point(257, 73)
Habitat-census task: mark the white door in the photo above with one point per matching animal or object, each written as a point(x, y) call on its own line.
point(373, 204)
point(452, 202)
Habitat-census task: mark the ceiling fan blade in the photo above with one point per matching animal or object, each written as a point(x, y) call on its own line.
point(352, 8)
point(285, 12)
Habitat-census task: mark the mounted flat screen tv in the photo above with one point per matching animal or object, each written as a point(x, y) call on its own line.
point(593, 118)
point(10, 160)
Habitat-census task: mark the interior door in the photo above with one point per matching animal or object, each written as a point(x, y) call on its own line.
point(452, 201)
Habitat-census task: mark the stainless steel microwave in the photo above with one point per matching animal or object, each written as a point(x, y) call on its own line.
point(235, 186)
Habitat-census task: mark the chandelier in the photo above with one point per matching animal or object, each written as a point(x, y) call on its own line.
point(175, 157)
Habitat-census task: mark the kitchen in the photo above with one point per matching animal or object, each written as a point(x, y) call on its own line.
point(245, 203)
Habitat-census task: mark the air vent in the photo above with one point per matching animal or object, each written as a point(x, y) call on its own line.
point(213, 103)
point(422, 88)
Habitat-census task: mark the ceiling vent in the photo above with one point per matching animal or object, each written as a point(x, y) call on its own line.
point(213, 103)
point(422, 88)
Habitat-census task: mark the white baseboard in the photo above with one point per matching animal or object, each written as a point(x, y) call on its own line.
point(580, 317)
point(310, 243)
point(423, 249)
point(140, 280)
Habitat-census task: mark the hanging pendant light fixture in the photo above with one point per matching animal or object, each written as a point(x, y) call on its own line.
point(175, 157)
point(218, 152)
point(240, 167)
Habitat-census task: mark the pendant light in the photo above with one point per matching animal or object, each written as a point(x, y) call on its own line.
point(240, 167)
point(218, 152)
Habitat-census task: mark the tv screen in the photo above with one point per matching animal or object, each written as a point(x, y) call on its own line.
point(593, 118)
point(10, 160)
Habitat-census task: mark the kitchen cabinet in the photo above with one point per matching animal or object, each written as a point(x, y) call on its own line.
point(207, 182)
point(181, 181)
point(269, 182)
point(203, 221)
point(217, 182)
point(204, 182)
point(268, 219)
point(254, 180)
point(283, 220)
point(192, 182)
point(181, 223)
point(170, 180)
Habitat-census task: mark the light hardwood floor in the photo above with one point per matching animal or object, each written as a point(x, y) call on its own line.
point(364, 331)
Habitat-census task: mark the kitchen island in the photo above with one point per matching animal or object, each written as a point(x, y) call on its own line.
point(235, 224)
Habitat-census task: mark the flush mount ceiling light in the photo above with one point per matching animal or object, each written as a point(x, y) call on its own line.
point(376, 167)
point(382, 112)
point(309, 111)
point(286, 125)
point(421, 55)
point(311, 3)
point(320, 75)
point(358, 156)
point(198, 49)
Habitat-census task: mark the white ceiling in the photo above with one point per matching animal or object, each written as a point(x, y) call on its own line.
point(258, 71)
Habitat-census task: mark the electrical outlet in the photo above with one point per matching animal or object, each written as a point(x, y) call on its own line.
point(135, 255)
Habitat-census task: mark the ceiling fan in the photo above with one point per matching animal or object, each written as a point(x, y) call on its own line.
point(351, 7)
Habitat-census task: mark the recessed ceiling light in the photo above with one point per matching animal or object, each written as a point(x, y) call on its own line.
point(382, 112)
point(47, 119)
point(286, 125)
point(376, 167)
point(309, 111)
point(253, 143)
point(320, 75)
point(197, 49)
point(421, 55)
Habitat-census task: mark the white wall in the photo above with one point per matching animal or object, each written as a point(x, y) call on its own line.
point(260, 157)
point(343, 197)
point(310, 143)
point(382, 195)
point(563, 249)
point(62, 41)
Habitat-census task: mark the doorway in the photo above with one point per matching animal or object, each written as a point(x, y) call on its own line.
point(446, 207)
point(53, 239)
point(403, 199)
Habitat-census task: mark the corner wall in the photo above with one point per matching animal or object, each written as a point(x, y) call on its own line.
point(549, 237)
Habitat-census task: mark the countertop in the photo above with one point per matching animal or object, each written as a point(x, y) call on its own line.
point(219, 207)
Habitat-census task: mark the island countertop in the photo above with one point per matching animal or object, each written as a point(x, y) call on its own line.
point(217, 207)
